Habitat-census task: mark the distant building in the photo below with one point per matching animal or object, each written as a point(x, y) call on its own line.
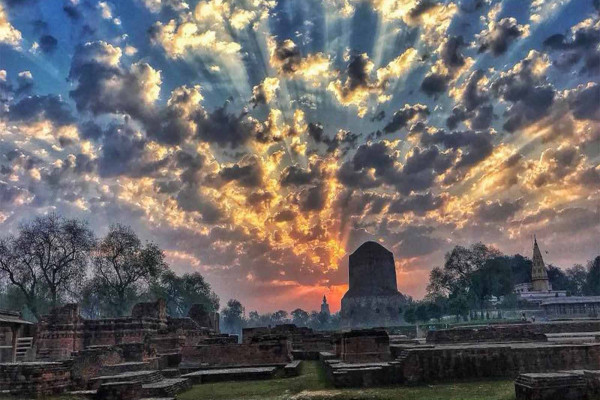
point(325, 307)
point(372, 299)
point(539, 289)
point(572, 307)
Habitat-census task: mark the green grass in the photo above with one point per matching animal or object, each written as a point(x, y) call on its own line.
point(312, 385)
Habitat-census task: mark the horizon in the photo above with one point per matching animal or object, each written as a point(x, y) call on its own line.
point(260, 143)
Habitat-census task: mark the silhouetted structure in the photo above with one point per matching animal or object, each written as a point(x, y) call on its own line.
point(372, 298)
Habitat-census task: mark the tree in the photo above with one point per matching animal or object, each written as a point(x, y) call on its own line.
point(460, 263)
point(299, 317)
point(592, 283)
point(409, 315)
point(279, 317)
point(422, 312)
point(577, 279)
point(123, 267)
point(558, 278)
point(181, 292)
point(233, 316)
point(47, 259)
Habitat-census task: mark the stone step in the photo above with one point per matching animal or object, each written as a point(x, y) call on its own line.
point(134, 376)
point(229, 374)
point(170, 373)
point(115, 369)
point(166, 387)
point(88, 394)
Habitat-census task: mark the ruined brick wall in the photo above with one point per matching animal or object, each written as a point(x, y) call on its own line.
point(272, 351)
point(153, 310)
point(494, 361)
point(88, 363)
point(34, 379)
point(59, 333)
point(367, 345)
point(513, 332)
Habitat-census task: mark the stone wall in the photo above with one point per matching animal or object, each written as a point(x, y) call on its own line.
point(267, 350)
point(88, 363)
point(447, 363)
point(64, 331)
point(514, 332)
point(306, 344)
point(34, 379)
point(360, 346)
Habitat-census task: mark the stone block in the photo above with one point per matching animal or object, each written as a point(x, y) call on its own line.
point(550, 386)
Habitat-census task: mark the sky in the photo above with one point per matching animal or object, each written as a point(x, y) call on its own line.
point(260, 142)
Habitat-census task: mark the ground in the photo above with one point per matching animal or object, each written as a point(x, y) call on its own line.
point(312, 385)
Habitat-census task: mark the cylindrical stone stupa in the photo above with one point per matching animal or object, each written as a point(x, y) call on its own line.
point(372, 299)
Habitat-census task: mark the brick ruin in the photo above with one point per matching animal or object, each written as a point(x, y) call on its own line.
point(462, 354)
point(149, 354)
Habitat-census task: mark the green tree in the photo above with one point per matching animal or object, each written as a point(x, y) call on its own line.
point(124, 268)
point(592, 283)
point(577, 279)
point(279, 317)
point(409, 315)
point(299, 317)
point(422, 313)
point(233, 317)
point(47, 259)
point(181, 292)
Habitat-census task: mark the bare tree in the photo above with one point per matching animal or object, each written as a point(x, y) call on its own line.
point(47, 258)
point(123, 266)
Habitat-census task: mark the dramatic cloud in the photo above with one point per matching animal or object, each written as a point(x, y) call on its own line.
point(261, 142)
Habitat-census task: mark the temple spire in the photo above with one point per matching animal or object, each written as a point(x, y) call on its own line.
point(539, 275)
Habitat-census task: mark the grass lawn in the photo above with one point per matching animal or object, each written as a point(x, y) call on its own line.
point(312, 385)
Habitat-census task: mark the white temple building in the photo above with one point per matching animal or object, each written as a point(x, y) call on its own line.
point(540, 288)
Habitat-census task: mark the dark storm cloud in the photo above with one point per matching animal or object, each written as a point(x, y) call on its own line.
point(191, 165)
point(350, 177)
point(382, 159)
point(581, 44)
point(404, 115)
point(285, 216)
point(288, 55)
point(474, 105)
point(475, 146)
point(429, 158)
point(48, 43)
point(434, 84)
point(247, 173)
point(259, 199)
point(450, 52)
point(172, 124)
point(312, 198)
point(103, 86)
point(585, 104)
point(419, 204)
point(497, 40)
point(529, 94)
point(189, 199)
point(38, 108)
point(498, 211)
point(316, 132)
point(421, 7)
point(71, 11)
point(9, 193)
point(226, 129)
point(296, 175)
